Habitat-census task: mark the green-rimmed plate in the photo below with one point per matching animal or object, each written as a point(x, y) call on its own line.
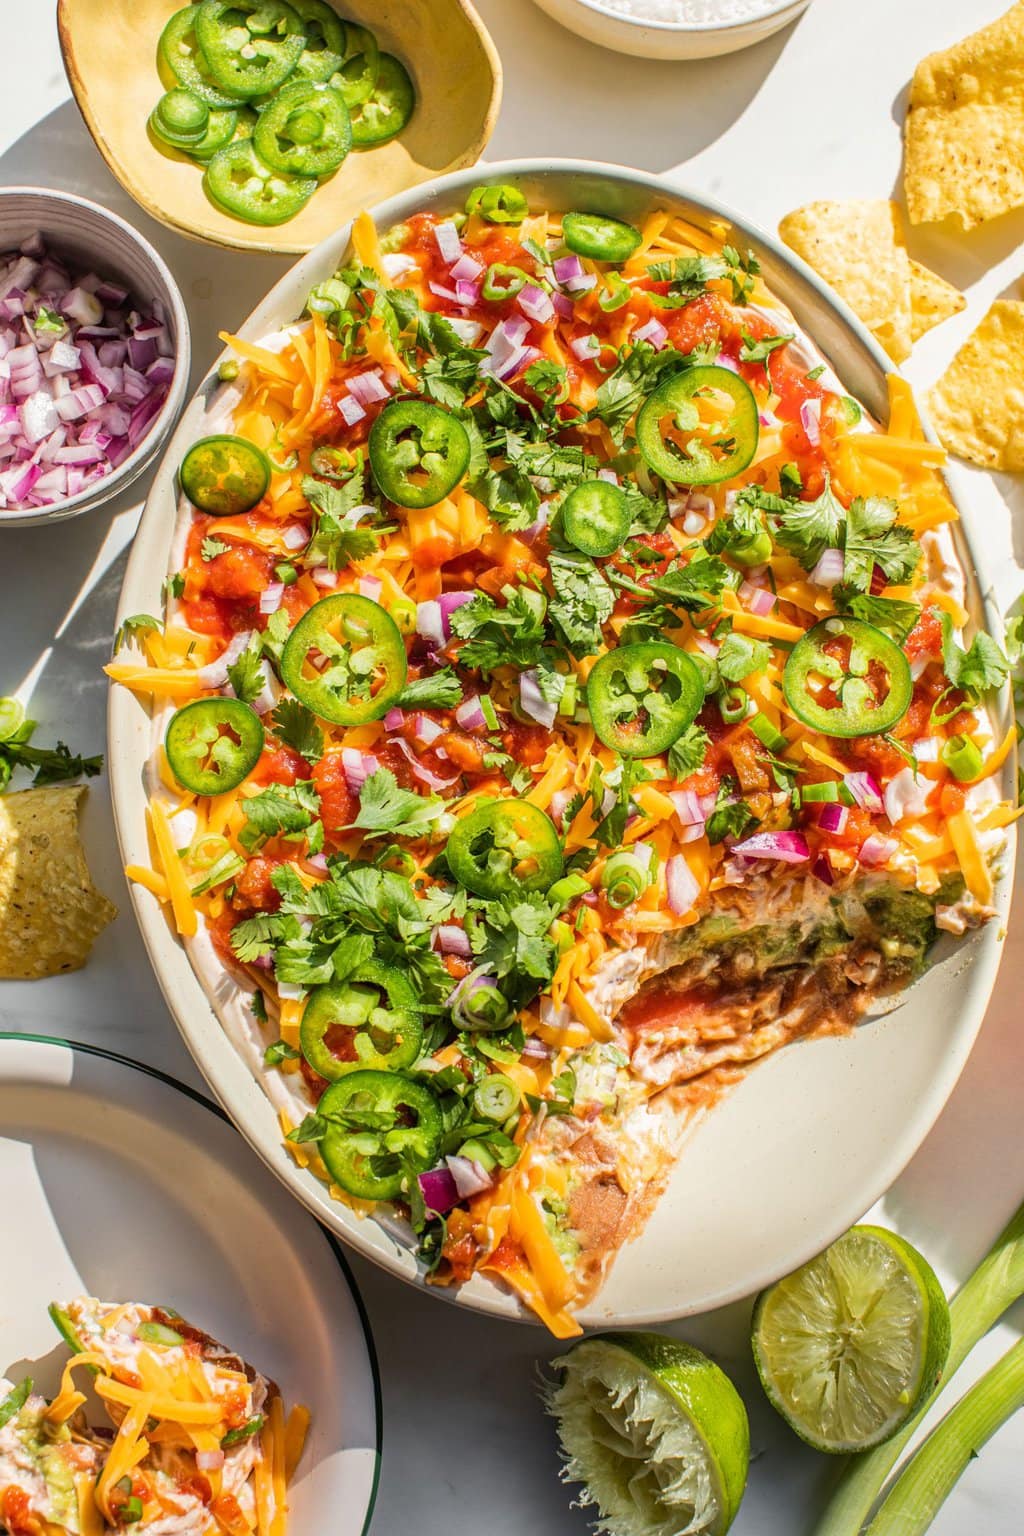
point(120, 1182)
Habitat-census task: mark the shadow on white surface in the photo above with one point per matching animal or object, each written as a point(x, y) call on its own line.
point(675, 108)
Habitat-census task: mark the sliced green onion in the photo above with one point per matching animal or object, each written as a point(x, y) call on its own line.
point(734, 705)
point(624, 879)
point(131, 1510)
point(159, 1333)
point(503, 204)
point(616, 293)
point(496, 1097)
point(480, 1153)
point(285, 572)
point(570, 694)
point(932, 1472)
point(243, 1432)
point(228, 370)
point(568, 888)
point(963, 758)
point(994, 1286)
point(403, 611)
point(767, 734)
point(15, 1401)
point(488, 711)
point(226, 868)
point(820, 793)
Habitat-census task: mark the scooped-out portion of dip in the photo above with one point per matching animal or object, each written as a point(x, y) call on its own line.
point(195, 1441)
point(565, 699)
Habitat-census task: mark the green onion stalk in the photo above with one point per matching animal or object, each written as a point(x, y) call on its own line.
point(994, 1286)
point(929, 1476)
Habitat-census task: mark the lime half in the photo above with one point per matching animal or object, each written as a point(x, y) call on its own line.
point(848, 1346)
point(655, 1433)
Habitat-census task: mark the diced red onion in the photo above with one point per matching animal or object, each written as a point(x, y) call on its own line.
point(428, 621)
point(209, 1461)
point(681, 884)
point(38, 416)
point(448, 602)
point(367, 388)
point(61, 358)
point(470, 715)
point(357, 767)
point(535, 1047)
point(810, 420)
point(270, 597)
point(906, 795)
point(448, 241)
point(566, 268)
point(324, 578)
point(471, 1178)
point(822, 869)
point(294, 536)
point(829, 569)
point(866, 790)
point(757, 600)
point(215, 673)
point(350, 410)
point(533, 701)
point(439, 1190)
point(584, 347)
point(317, 862)
point(394, 719)
point(371, 587)
point(559, 800)
point(787, 847)
point(443, 292)
point(426, 730)
point(453, 940)
point(420, 769)
point(535, 303)
point(688, 807)
point(609, 475)
point(876, 849)
point(653, 332)
point(466, 269)
point(562, 306)
point(467, 293)
point(832, 816)
point(84, 307)
point(723, 360)
point(79, 454)
point(79, 402)
point(582, 284)
point(466, 330)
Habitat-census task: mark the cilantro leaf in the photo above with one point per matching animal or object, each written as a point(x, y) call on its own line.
point(730, 817)
point(296, 726)
point(497, 636)
point(509, 496)
point(694, 586)
point(686, 754)
point(976, 671)
point(254, 937)
point(212, 547)
point(738, 656)
point(246, 674)
point(807, 528)
point(136, 624)
point(337, 537)
point(280, 810)
point(634, 376)
point(895, 617)
point(385, 807)
point(873, 539)
point(583, 601)
point(759, 351)
point(436, 690)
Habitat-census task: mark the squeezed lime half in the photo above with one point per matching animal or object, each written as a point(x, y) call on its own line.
point(654, 1432)
point(849, 1345)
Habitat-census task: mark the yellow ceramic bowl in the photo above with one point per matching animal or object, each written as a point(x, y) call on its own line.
point(109, 49)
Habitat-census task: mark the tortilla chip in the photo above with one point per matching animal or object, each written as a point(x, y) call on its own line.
point(857, 247)
point(932, 300)
point(977, 407)
point(964, 132)
point(50, 911)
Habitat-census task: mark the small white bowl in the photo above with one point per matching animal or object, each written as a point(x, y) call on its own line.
point(91, 238)
point(598, 23)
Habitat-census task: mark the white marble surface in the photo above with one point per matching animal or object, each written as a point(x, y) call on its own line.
point(813, 112)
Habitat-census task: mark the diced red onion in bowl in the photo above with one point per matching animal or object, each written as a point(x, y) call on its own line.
point(367, 388)
point(536, 304)
point(350, 410)
point(585, 347)
point(832, 817)
point(866, 790)
point(439, 1190)
point(466, 270)
point(786, 847)
point(59, 381)
point(471, 1178)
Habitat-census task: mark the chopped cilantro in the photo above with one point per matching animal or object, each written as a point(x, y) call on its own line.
point(893, 615)
point(686, 755)
point(280, 810)
point(385, 807)
point(976, 671)
point(730, 817)
point(246, 674)
point(137, 624)
point(497, 636)
point(759, 351)
point(212, 547)
point(738, 656)
point(872, 538)
point(279, 1051)
point(583, 601)
point(338, 538)
point(807, 528)
point(297, 727)
point(436, 690)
